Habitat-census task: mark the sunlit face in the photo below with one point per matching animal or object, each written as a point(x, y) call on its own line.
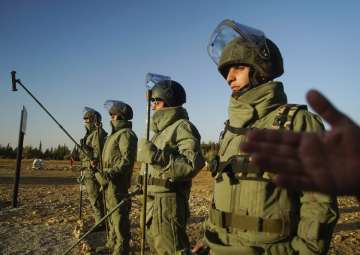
point(87, 120)
point(238, 77)
point(113, 117)
point(157, 103)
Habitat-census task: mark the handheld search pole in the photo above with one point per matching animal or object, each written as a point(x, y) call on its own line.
point(17, 81)
point(150, 79)
point(129, 196)
point(143, 219)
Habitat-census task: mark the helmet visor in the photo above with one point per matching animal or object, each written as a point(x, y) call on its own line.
point(227, 30)
point(88, 109)
point(152, 78)
point(113, 106)
point(89, 112)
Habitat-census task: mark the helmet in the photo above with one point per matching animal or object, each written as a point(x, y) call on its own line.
point(119, 108)
point(169, 91)
point(91, 114)
point(234, 44)
point(239, 51)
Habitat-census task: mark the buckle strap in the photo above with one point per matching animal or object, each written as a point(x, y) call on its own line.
point(156, 181)
point(239, 163)
point(285, 115)
point(247, 223)
point(235, 130)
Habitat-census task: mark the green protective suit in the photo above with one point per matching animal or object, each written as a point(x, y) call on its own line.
point(249, 214)
point(92, 143)
point(118, 157)
point(170, 180)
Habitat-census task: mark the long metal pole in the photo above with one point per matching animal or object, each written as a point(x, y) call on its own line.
point(98, 127)
point(52, 117)
point(143, 223)
point(81, 179)
point(18, 81)
point(129, 196)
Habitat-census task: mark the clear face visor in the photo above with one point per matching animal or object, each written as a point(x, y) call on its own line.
point(228, 30)
point(114, 106)
point(152, 78)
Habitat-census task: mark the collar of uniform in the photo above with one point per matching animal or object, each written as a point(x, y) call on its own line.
point(164, 117)
point(89, 127)
point(120, 124)
point(256, 103)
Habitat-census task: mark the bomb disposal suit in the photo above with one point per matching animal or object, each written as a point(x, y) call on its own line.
point(118, 158)
point(249, 214)
point(92, 143)
point(174, 158)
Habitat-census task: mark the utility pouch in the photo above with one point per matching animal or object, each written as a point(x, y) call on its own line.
point(312, 230)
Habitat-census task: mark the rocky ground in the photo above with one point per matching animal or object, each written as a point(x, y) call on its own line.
point(47, 218)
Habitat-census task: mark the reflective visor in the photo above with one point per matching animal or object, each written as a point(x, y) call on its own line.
point(88, 112)
point(152, 78)
point(113, 105)
point(227, 30)
point(88, 109)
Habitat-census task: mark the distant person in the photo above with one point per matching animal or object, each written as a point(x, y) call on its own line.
point(118, 160)
point(174, 158)
point(249, 214)
point(328, 162)
point(92, 142)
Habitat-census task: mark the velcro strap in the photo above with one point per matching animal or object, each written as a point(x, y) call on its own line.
point(247, 223)
point(156, 181)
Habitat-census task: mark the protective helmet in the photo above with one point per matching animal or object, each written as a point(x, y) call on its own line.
point(93, 115)
point(169, 91)
point(119, 108)
point(235, 44)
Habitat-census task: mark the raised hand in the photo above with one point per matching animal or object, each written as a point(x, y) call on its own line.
point(327, 162)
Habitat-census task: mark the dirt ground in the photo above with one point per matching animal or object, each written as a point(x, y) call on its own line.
point(47, 218)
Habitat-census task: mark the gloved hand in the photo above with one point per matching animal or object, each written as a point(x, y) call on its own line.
point(200, 248)
point(101, 180)
point(93, 164)
point(146, 151)
point(213, 164)
point(149, 153)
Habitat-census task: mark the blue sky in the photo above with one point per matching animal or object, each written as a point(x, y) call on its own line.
point(72, 54)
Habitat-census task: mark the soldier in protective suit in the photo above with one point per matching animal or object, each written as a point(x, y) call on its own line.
point(249, 214)
point(174, 158)
point(118, 159)
point(93, 142)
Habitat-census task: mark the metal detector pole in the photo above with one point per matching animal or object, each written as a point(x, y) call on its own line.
point(17, 81)
point(19, 155)
point(143, 223)
point(81, 179)
point(101, 167)
point(129, 196)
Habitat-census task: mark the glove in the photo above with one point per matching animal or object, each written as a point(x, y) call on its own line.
point(101, 180)
point(80, 179)
point(213, 165)
point(200, 248)
point(149, 153)
point(146, 151)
